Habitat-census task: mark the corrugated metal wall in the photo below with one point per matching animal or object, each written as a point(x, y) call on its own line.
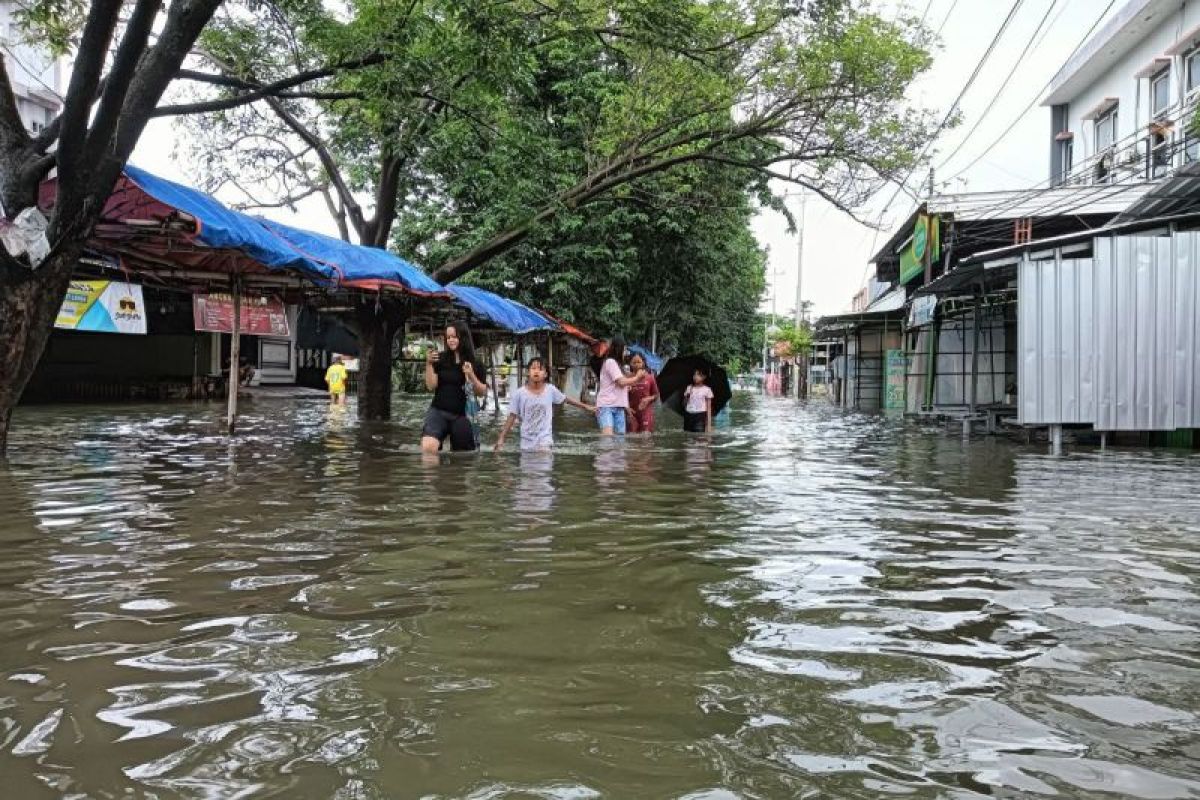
point(1112, 341)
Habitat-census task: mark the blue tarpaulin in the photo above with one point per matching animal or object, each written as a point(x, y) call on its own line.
point(508, 314)
point(356, 263)
point(282, 247)
point(223, 228)
point(655, 363)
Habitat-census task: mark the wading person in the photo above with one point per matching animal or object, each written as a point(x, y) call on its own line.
point(533, 406)
point(612, 398)
point(698, 403)
point(335, 379)
point(642, 397)
point(456, 378)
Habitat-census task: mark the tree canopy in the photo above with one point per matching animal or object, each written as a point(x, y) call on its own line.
point(603, 159)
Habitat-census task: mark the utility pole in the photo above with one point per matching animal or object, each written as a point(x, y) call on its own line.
point(801, 377)
point(800, 265)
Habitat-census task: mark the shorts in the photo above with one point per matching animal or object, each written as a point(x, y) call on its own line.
point(611, 417)
point(441, 424)
point(695, 423)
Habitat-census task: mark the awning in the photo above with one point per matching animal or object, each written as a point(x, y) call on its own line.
point(502, 312)
point(837, 324)
point(168, 226)
point(359, 267)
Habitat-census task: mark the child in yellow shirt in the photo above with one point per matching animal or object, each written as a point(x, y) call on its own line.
point(335, 379)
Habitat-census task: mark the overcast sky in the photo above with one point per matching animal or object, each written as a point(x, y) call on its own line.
point(836, 247)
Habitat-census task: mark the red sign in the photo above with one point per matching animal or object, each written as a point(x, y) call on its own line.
point(261, 316)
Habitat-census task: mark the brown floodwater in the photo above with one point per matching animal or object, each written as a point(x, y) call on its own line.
point(805, 605)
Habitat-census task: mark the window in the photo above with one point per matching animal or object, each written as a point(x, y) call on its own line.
point(1160, 92)
point(1066, 153)
point(1191, 71)
point(1106, 130)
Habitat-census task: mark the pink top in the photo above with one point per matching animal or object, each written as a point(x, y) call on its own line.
point(697, 398)
point(610, 394)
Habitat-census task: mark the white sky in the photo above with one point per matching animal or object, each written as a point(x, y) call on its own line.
point(836, 247)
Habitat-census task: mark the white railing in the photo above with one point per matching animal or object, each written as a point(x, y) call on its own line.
point(1153, 152)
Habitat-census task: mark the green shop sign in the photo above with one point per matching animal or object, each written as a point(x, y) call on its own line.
point(925, 238)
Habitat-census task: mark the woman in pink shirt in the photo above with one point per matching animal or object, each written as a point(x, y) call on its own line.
point(612, 399)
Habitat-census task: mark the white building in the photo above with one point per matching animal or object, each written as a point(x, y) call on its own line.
point(36, 76)
point(1121, 106)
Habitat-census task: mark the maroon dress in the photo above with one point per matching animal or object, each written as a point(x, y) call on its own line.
point(643, 420)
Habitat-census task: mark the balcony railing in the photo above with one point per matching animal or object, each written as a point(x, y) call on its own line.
point(1153, 152)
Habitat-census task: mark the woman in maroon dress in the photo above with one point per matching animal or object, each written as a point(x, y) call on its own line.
point(642, 397)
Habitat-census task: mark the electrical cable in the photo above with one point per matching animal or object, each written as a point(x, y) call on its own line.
point(1024, 52)
point(902, 184)
point(1040, 93)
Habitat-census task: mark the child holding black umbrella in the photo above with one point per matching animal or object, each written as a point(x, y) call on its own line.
point(698, 404)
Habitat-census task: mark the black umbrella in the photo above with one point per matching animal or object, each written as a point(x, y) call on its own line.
point(677, 376)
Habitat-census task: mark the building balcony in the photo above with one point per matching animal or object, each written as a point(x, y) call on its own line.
point(1154, 152)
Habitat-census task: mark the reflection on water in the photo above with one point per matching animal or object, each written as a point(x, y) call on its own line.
point(804, 605)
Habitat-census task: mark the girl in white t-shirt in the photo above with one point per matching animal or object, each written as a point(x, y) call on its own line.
point(697, 404)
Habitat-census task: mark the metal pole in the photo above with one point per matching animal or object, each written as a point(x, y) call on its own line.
point(654, 337)
point(800, 266)
point(235, 352)
point(974, 353)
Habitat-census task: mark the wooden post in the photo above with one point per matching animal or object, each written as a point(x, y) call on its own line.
point(235, 352)
point(520, 364)
point(492, 372)
point(550, 358)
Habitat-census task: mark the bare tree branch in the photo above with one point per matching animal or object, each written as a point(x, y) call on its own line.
point(259, 92)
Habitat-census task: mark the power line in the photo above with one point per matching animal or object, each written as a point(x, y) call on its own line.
point(1040, 93)
point(946, 18)
point(954, 106)
point(1028, 45)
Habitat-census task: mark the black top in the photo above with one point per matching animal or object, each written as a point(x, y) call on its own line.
point(451, 392)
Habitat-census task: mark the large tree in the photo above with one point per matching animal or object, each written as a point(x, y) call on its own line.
point(124, 56)
point(506, 124)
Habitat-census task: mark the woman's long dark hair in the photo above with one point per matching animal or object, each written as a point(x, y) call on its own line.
point(466, 350)
point(616, 350)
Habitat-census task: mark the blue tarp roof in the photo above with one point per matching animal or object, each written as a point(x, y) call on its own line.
point(355, 262)
point(508, 314)
point(224, 228)
point(654, 362)
point(282, 247)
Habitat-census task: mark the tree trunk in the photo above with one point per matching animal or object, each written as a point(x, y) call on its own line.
point(378, 324)
point(29, 302)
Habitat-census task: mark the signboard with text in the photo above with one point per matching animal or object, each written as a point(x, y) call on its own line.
point(261, 316)
point(896, 366)
point(102, 307)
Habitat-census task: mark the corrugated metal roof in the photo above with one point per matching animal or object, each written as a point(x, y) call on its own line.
point(1132, 226)
point(1059, 201)
point(1178, 194)
point(1050, 202)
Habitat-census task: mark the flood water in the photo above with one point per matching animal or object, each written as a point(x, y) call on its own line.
point(808, 605)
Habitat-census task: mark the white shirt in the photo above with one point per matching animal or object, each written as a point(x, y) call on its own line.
point(697, 398)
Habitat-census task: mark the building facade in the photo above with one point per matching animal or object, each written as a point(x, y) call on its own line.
point(1122, 106)
point(35, 74)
